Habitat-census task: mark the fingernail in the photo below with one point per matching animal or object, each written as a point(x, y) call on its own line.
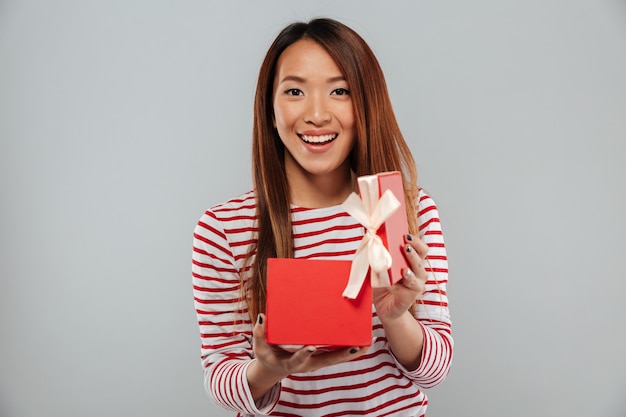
point(408, 249)
point(353, 351)
point(409, 237)
point(260, 319)
point(310, 350)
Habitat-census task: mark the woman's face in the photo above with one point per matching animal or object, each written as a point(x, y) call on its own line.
point(313, 112)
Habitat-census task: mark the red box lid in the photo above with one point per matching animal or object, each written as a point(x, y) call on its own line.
point(392, 232)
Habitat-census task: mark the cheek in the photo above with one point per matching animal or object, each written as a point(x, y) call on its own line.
point(348, 117)
point(350, 122)
point(281, 123)
point(279, 116)
point(284, 118)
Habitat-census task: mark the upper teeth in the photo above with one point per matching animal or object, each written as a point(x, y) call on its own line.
point(318, 139)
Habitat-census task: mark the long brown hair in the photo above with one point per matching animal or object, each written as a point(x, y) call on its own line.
point(379, 144)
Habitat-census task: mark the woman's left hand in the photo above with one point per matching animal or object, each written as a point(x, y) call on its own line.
point(394, 301)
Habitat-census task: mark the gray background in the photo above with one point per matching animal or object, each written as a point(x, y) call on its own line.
point(121, 121)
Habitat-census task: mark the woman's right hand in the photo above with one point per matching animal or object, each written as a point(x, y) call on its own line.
point(271, 363)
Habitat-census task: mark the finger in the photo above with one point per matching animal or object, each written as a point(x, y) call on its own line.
point(418, 244)
point(353, 353)
point(258, 332)
point(338, 356)
point(300, 356)
point(310, 359)
point(410, 281)
point(415, 262)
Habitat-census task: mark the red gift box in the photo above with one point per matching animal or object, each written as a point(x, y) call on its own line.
point(305, 305)
point(394, 229)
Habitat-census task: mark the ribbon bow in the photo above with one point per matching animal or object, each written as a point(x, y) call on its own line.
point(371, 212)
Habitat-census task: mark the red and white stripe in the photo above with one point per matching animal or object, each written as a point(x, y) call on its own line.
point(374, 384)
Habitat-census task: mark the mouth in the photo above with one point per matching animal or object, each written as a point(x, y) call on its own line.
point(318, 139)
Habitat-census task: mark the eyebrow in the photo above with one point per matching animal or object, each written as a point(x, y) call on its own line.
point(302, 80)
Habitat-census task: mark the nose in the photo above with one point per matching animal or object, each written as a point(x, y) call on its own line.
point(317, 112)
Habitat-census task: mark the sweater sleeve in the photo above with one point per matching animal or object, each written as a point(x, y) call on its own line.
point(432, 309)
point(225, 328)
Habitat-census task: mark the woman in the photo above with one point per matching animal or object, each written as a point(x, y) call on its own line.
point(322, 117)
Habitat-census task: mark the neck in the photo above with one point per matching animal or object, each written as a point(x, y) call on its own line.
point(317, 191)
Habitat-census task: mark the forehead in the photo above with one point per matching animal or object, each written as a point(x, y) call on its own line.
point(306, 57)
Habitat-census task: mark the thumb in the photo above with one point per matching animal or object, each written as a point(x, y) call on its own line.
point(258, 332)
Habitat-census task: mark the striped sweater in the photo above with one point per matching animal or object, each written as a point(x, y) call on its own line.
point(375, 384)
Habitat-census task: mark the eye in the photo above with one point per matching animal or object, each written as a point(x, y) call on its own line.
point(293, 92)
point(341, 92)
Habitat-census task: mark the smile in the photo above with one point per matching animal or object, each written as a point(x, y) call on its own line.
point(318, 140)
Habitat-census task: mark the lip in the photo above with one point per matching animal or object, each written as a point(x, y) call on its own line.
point(318, 141)
point(317, 137)
point(317, 132)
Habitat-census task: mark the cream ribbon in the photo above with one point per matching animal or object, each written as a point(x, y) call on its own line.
point(371, 212)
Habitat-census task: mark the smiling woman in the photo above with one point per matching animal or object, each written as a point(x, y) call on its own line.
point(322, 118)
point(314, 119)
